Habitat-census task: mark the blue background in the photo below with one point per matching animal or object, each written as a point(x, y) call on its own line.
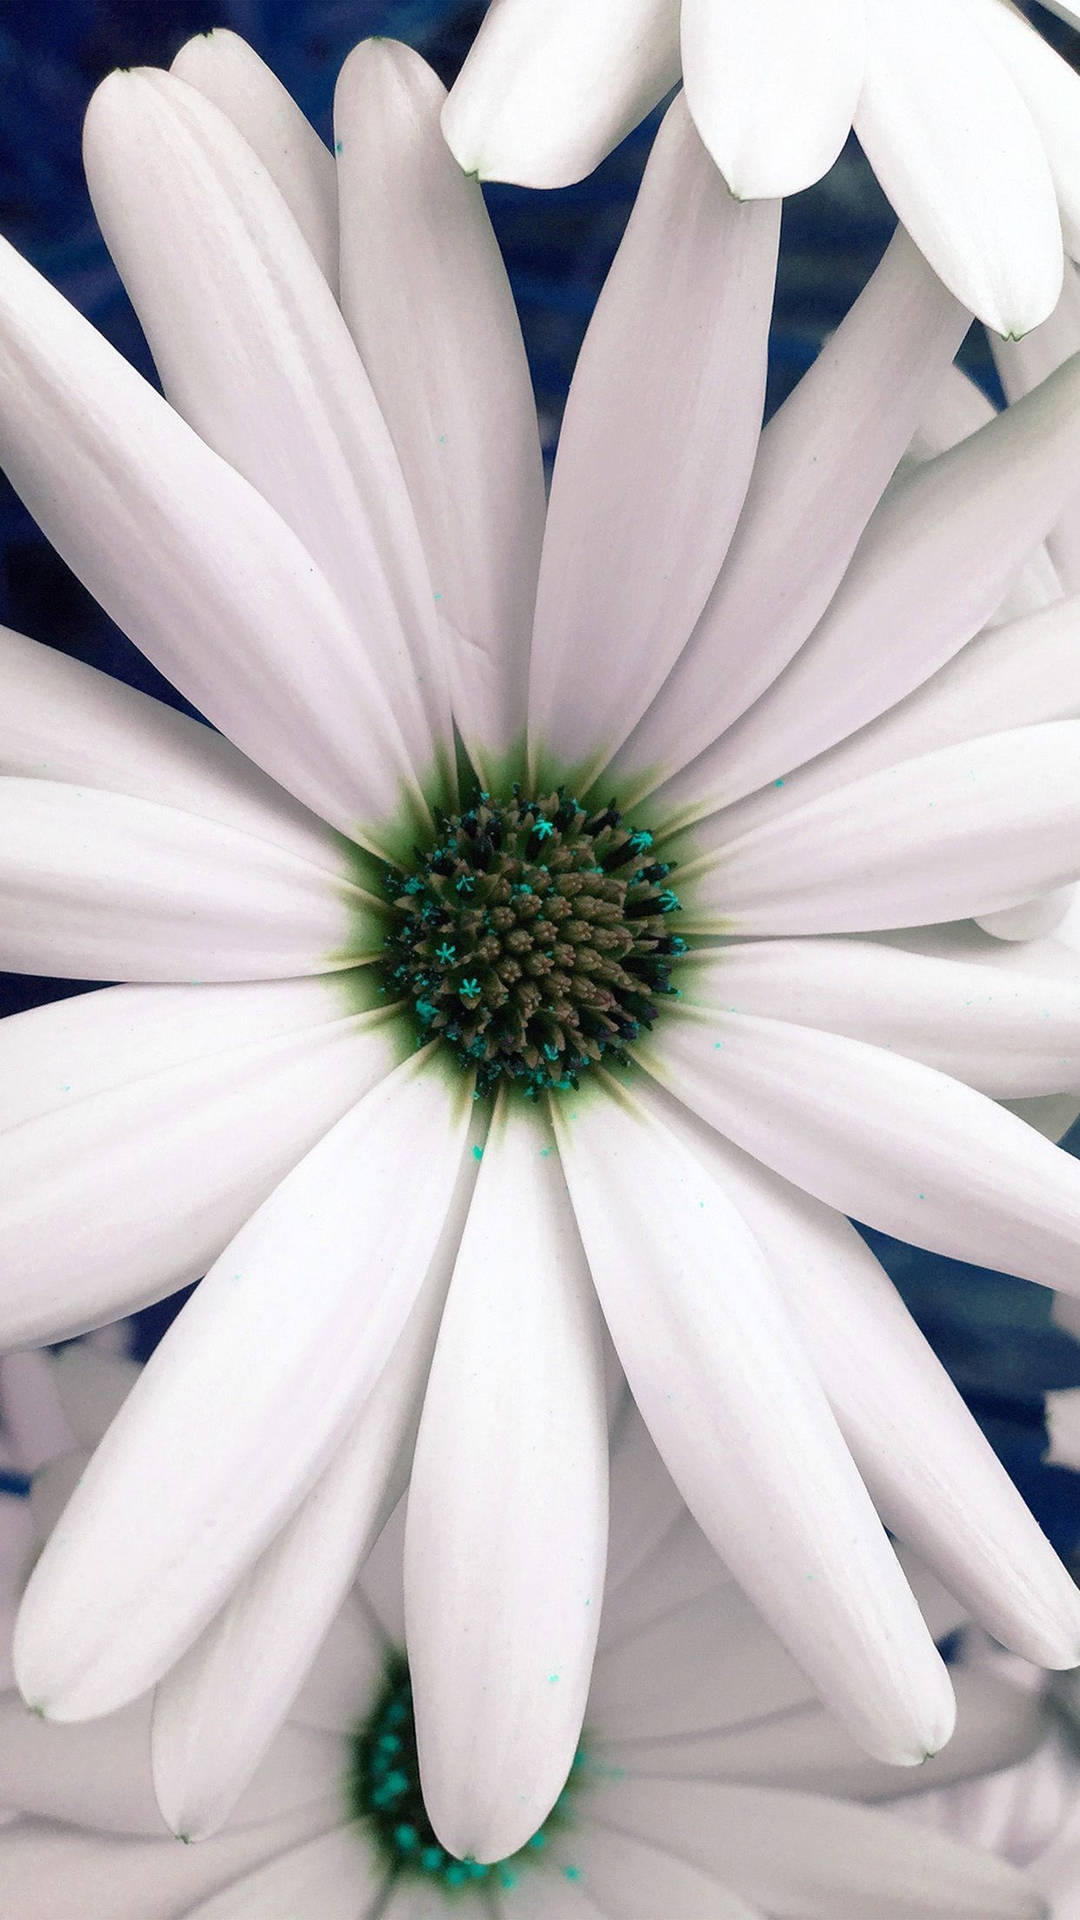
point(993, 1333)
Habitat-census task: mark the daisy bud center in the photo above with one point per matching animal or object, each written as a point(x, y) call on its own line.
point(384, 1794)
point(534, 937)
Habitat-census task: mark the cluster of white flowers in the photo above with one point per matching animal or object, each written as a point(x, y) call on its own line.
point(575, 912)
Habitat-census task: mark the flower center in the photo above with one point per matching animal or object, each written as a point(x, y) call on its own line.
point(533, 937)
point(384, 1793)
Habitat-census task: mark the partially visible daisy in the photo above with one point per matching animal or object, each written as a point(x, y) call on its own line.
point(708, 1784)
point(487, 735)
point(1027, 1812)
point(970, 121)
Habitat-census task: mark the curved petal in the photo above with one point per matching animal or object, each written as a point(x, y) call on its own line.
point(806, 1750)
point(934, 1479)
point(731, 1401)
point(100, 886)
point(956, 150)
point(655, 454)
point(62, 720)
point(1024, 672)
point(550, 86)
point(253, 351)
point(929, 571)
point(335, 1877)
point(230, 73)
point(143, 1170)
point(1010, 1030)
point(1050, 89)
point(880, 1138)
point(634, 1880)
point(1021, 365)
point(772, 87)
point(81, 1873)
point(822, 464)
point(225, 599)
point(88, 1776)
point(219, 1708)
point(432, 314)
point(33, 1418)
point(330, 1267)
point(963, 831)
point(91, 1387)
point(835, 1858)
point(507, 1519)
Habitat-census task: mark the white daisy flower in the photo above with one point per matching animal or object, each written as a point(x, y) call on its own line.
point(329, 536)
point(970, 121)
point(708, 1781)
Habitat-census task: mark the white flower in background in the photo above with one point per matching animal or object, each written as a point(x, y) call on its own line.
point(709, 1784)
point(970, 121)
point(1029, 1812)
point(330, 538)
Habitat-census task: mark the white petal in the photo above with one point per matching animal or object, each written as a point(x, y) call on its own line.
point(1022, 364)
point(772, 87)
point(225, 600)
point(881, 1138)
point(821, 467)
point(230, 73)
point(431, 311)
point(996, 1725)
point(144, 1170)
point(507, 1517)
point(62, 720)
point(1023, 672)
point(902, 1417)
point(336, 1877)
point(1050, 89)
point(636, 1881)
point(929, 571)
point(654, 458)
point(218, 1709)
point(99, 886)
point(956, 150)
point(1007, 1029)
point(56, 1874)
point(332, 1263)
point(962, 831)
point(550, 86)
point(253, 352)
point(804, 1855)
point(721, 1378)
point(90, 1776)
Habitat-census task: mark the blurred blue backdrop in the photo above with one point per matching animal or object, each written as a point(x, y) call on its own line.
point(993, 1333)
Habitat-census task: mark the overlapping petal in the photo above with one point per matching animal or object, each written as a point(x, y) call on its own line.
point(948, 134)
point(223, 1436)
point(175, 1111)
point(231, 74)
point(431, 312)
point(253, 351)
point(773, 87)
point(550, 86)
point(504, 1570)
point(730, 1399)
point(655, 453)
point(225, 598)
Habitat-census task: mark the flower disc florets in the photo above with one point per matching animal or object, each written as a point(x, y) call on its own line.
point(384, 1792)
point(533, 937)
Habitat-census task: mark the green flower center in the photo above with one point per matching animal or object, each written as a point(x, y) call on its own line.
point(533, 938)
point(384, 1794)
